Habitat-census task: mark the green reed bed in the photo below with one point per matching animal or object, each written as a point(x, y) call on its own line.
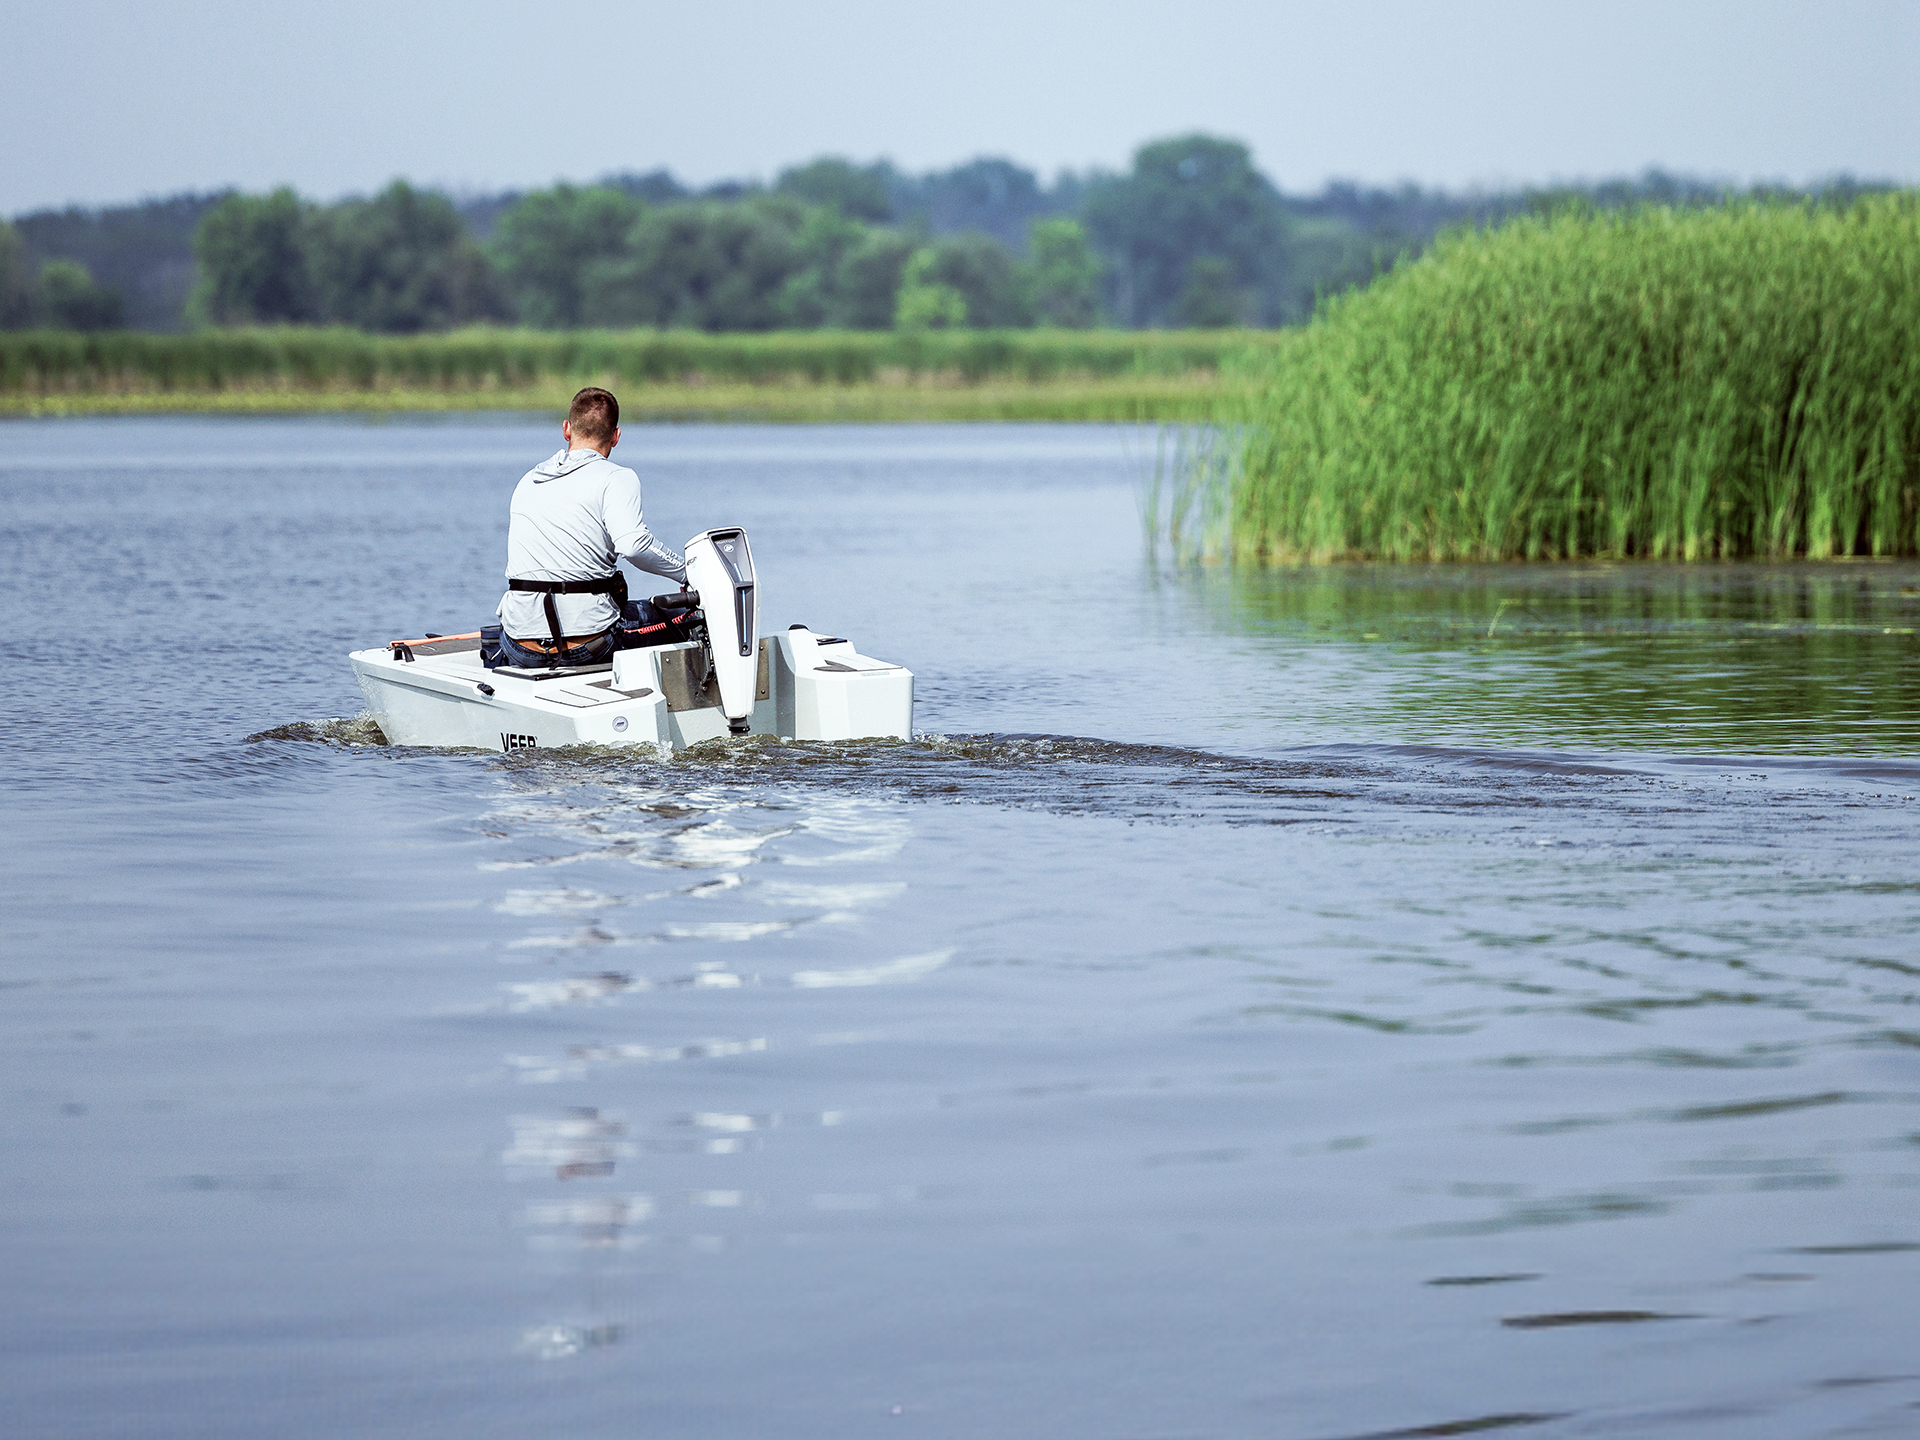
point(1656, 384)
point(49, 370)
point(1178, 399)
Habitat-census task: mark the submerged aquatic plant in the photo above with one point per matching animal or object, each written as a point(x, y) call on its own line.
point(1657, 384)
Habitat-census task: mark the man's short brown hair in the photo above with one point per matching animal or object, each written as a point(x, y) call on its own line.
point(594, 415)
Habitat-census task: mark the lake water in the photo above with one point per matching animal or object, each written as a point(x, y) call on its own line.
point(1314, 1004)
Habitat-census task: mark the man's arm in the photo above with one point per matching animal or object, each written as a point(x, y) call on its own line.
point(632, 540)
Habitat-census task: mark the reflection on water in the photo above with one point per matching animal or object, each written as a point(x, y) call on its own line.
point(1309, 1004)
point(1606, 971)
point(1744, 659)
point(628, 816)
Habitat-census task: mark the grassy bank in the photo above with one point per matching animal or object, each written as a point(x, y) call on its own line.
point(1019, 374)
point(1152, 399)
point(1658, 384)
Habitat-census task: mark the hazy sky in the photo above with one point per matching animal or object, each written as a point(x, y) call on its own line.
point(107, 100)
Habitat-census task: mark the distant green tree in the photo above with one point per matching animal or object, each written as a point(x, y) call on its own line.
point(253, 262)
point(705, 266)
point(73, 300)
point(1184, 199)
point(868, 279)
point(544, 244)
point(655, 187)
point(145, 251)
point(17, 288)
point(1326, 256)
point(924, 301)
point(401, 262)
point(859, 192)
point(1064, 273)
point(1210, 300)
point(811, 297)
point(991, 196)
point(982, 272)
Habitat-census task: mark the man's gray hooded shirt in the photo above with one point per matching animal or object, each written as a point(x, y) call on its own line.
point(575, 517)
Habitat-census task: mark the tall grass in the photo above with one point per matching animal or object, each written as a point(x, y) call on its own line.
point(1664, 384)
point(1185, 488)
point(475, 363)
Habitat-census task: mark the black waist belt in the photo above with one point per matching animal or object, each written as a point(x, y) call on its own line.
point(614, 585)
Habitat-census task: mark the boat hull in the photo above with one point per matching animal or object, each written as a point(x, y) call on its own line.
point(807, 687)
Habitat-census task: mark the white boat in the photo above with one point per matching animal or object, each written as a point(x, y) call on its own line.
point(728, 680)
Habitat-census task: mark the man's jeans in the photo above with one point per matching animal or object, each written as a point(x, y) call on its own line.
point(593, 652)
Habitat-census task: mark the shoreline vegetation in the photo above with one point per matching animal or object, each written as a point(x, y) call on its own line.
point(1655, 384)
point(1658, 383)
point(1163, 375)
point(1150, 400)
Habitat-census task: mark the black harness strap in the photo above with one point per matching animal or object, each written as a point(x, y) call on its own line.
point(614, 585)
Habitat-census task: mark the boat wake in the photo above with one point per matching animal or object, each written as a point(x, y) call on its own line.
point(1431, 786)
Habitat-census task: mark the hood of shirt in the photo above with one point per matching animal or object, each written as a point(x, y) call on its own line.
point(565, 462)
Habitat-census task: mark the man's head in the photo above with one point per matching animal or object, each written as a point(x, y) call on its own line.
point(593, 421)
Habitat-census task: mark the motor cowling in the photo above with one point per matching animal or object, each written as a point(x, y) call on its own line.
point(720, 568)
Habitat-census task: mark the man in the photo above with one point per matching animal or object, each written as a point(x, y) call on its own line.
point(573, 520)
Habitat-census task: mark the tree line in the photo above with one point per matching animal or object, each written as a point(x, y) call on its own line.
point(1190, 235)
